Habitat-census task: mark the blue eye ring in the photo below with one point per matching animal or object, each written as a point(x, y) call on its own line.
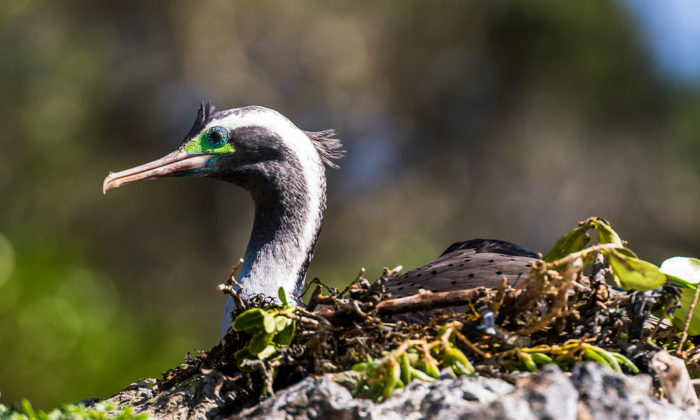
point(217, 136)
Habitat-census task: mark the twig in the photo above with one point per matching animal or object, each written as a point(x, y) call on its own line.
point(378, 286)
point(424, 300)
point(317, 282)
point(235, 295)
point(354, 282)
point(313, 316)
point(233, 288)
point(560, 299)
point(471, 345)
point(686, 325)
point(581, 254)
point(232, 277)
point(315, 299)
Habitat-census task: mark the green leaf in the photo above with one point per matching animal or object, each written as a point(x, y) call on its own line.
point(625, 362)
point(266, 352)
point(259, 342)
point(268, 322)
point(541, 358)
point(281, 322)
point(284, 337)
point(573, 241)
point(242, 354)
point(392, 378)
point(250, 320)
point(27, 408)
point(612, 361)
point(684, 270)
point(528, 362)
point(282, 295)
point(405, 368)
point(681, 313)
point(429, 366)
point(590, 354)
point(360, 367)
point(626, 252)
point(606, 235)
point(458, 362)
point(417, 374)
point(634, 273)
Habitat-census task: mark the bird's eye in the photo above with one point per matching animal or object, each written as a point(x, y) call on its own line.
point(217, 136)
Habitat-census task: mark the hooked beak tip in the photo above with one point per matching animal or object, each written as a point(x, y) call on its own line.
point(109, 183)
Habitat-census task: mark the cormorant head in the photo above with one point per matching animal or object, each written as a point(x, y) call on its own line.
point(251, 147)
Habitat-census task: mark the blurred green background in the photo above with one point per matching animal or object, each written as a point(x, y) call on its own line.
point(462, 119)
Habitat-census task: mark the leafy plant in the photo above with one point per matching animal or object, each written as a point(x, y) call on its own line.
point(413, 359)
point(629, 271)
point(533, 357)
point(271, 328)
point(100, 411)
point(632, 273)
point(685, 272)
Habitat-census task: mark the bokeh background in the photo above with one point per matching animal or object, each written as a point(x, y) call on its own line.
point(462, 119)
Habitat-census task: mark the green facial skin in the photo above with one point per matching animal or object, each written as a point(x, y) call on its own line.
point(202, 144)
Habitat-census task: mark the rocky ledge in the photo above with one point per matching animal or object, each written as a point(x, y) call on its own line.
point(589, 391)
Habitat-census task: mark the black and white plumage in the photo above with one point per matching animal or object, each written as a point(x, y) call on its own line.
point(283, 168)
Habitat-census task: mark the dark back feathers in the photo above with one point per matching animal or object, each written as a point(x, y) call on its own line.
point(466, 265)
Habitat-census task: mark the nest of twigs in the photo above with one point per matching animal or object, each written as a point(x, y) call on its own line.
point(564, 313)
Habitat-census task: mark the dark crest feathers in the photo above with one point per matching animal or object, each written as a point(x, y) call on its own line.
point(205, 112)
point(328, 148)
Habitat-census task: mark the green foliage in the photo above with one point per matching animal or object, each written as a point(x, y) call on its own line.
point(605, 233)
point(271, 328)
point(633, 273)
point(578, 239)
point(414, 359)
point(629, 271)
point(563, 356)
point(685, 272)
point(100, 411)
point(573, 241)
point(282, 295)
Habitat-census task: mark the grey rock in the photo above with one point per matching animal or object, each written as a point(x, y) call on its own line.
point(606, 395)
point(197, 397)
point(312, 398)
point(590, 391)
